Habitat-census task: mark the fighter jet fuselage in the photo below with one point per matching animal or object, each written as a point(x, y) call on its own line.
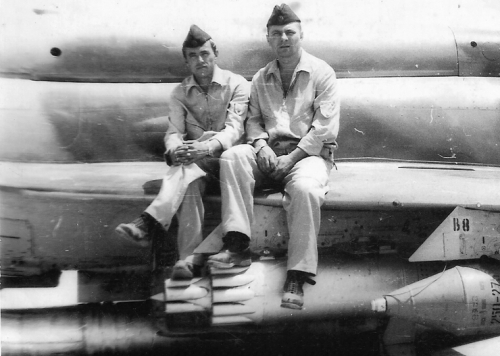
point(413, 204)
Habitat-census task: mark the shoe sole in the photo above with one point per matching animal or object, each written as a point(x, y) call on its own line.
point(181, 275)
point(291, 305)
point(290, 300)
point(225, 265)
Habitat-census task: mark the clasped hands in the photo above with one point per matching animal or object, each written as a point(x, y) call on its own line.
point(189, 152)
point(273, 166)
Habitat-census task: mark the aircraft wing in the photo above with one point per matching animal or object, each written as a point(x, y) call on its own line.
point(353, 185)
point(83, 112)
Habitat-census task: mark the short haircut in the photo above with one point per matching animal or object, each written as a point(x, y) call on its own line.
point(212, 44)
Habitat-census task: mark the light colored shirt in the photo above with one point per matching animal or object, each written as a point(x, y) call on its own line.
point(219, 113)
point(308, 112)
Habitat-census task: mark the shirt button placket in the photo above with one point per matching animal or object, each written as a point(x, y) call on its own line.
point(209, 114)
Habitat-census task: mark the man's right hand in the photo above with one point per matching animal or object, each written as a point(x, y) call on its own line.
point(178, 156)
point(266, 160)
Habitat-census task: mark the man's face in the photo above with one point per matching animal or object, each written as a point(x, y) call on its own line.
point(285, 40)
point(201, 60)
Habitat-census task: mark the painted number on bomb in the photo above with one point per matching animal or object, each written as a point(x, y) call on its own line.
point(461, 224)
point(475, 308)
point(495, 311)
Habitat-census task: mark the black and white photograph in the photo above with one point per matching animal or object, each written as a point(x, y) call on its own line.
point(250, 177)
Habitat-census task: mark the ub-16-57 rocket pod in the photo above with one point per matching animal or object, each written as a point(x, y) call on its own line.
point(461, 300)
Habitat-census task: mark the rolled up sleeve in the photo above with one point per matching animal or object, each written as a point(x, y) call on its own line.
point(176, 130)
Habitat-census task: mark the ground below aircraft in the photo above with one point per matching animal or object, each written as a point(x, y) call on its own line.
point(410, 234)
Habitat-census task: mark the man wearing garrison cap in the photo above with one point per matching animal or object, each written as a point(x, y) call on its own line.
point(206, 113)
point(291, 129)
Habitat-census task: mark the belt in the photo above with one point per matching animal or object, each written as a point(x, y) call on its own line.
point(286, 146)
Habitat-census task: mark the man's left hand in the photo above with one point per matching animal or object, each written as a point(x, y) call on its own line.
point(194, 152)
point(284, 165)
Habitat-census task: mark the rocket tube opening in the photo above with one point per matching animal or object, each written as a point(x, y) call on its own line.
point(379, 305)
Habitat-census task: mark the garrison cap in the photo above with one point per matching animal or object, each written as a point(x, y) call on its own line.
point(196, 37)
point(282, 15)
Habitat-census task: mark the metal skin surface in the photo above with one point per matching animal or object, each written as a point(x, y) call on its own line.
point(129, 327)
point(82, 117)
point(89, 329)
point(424, 119)
point(389, 39)
point(73, 207)
point(468, 301)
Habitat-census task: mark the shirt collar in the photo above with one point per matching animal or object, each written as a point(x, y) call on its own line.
point(304, 64)
point(218, 77)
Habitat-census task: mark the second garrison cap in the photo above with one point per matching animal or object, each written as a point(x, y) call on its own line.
point(282, 15)
point(196, 37)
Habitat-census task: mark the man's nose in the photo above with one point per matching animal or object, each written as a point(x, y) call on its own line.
point(284, 37)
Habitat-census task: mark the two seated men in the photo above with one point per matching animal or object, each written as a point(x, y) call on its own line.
point(291, 128)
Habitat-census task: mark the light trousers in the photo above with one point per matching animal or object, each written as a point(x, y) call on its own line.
point(181, 194)
point(305, 187)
